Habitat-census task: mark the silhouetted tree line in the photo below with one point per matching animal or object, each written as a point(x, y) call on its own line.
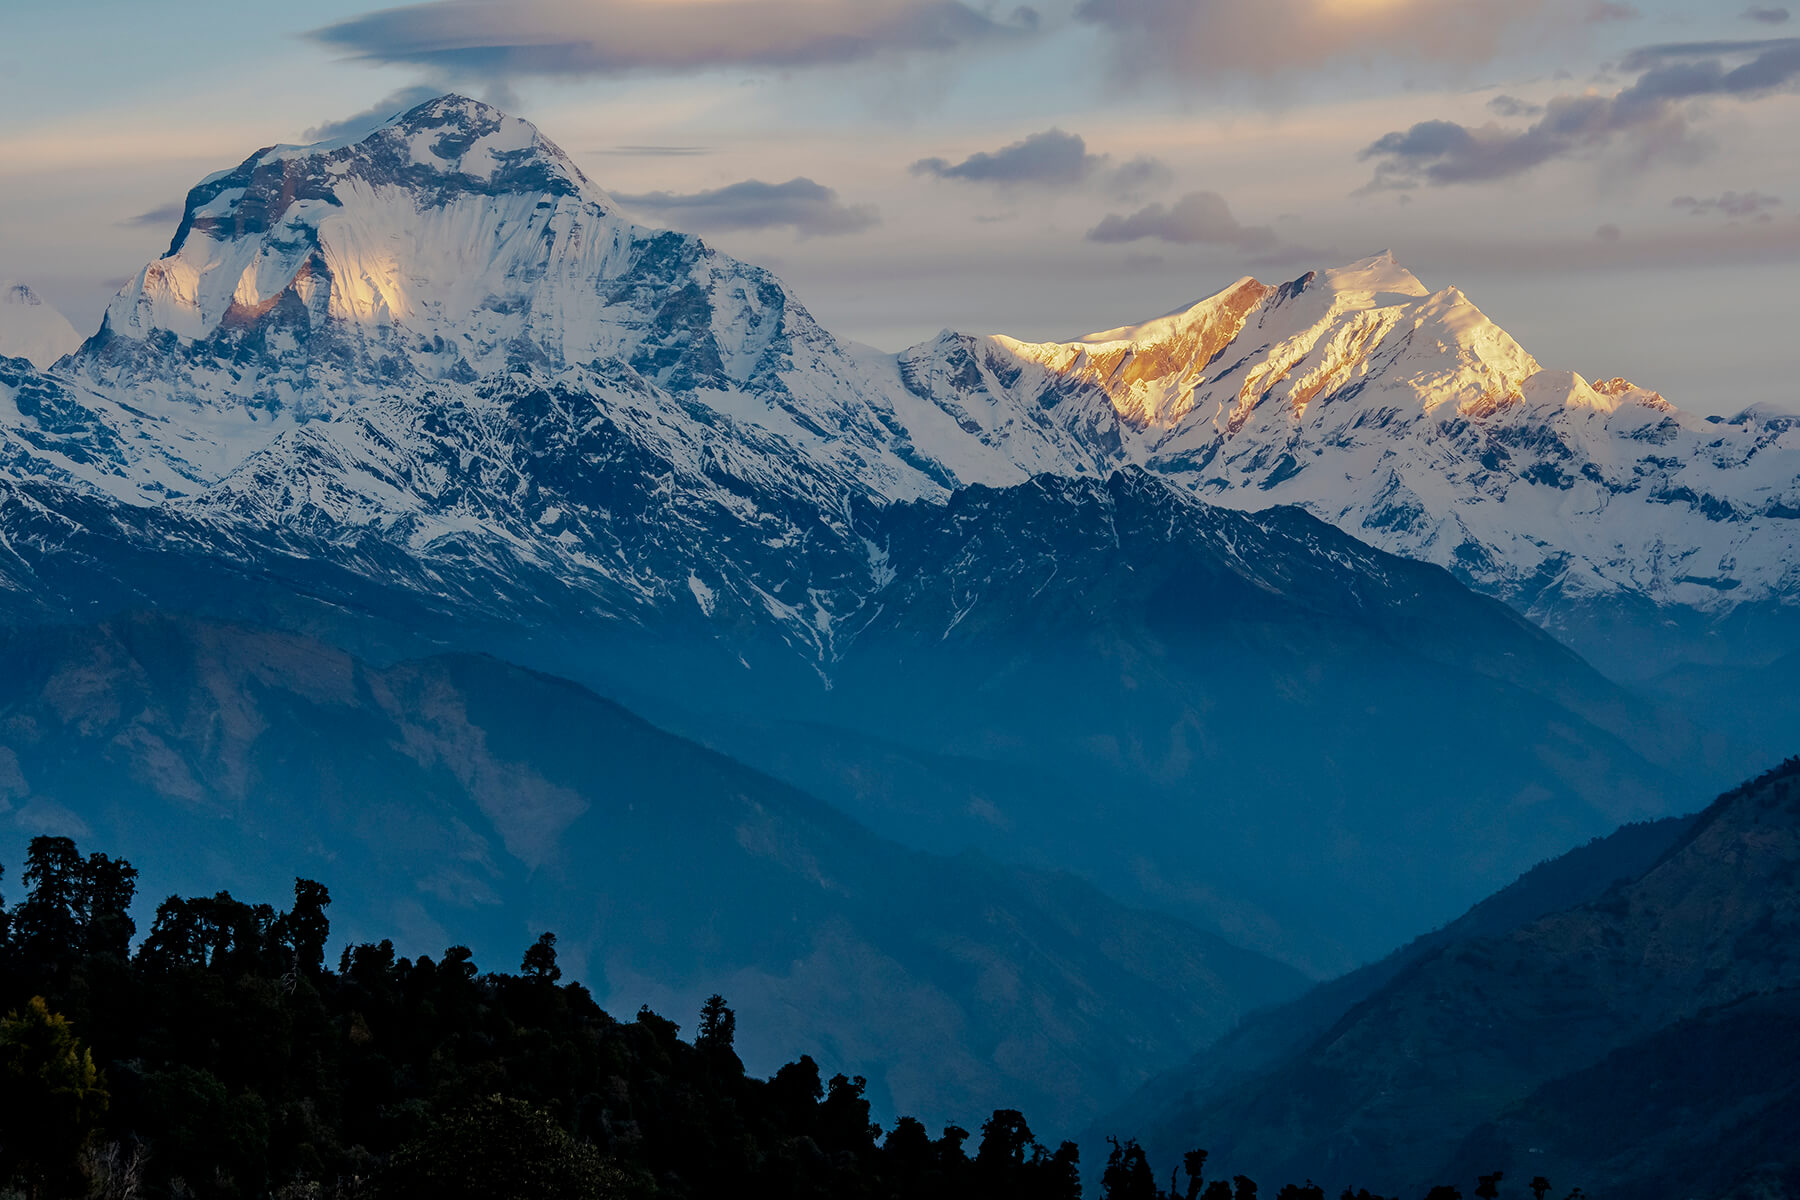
point(223, 1059)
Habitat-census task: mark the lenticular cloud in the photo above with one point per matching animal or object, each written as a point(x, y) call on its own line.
point(611, 37)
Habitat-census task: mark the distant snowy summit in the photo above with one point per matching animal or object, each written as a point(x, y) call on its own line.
point(1407, 418)
point(31, 329)
point(444, 337)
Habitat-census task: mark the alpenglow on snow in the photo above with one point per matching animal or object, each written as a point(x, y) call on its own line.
point(443, 339)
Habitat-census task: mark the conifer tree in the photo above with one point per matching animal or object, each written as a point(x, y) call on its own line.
point(51, 1096)
point(718, 1025)
point(540, 960)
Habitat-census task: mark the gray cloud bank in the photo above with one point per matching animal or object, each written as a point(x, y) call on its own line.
point(1768, 16)
point(810, 209)
point(1050, 158)
point(496, 39)
point(1445, 152)
point(1196, 218)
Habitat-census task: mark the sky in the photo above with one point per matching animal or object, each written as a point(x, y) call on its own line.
point(1616, 184)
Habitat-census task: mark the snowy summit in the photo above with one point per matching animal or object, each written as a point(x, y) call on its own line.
point(31, 329)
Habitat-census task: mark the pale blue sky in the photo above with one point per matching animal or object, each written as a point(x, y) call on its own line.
point(110, 109)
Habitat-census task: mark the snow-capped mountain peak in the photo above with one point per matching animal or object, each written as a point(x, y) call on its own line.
point(422, 222)
point(1378, 275)
point(31, 329)
point(454, 245)
point(1408, 418)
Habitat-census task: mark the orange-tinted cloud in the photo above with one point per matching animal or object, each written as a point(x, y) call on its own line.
point(1264, 36)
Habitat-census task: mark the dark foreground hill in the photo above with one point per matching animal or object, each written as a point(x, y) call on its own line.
point(1640, 1043)
point(220, 1057)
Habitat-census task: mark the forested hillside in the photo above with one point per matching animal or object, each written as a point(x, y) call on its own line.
point(223, 1054)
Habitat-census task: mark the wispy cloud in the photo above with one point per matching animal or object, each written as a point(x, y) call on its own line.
point(1512, 106)
point(810, 209)
point(377, 114)
point(1600, 11)
point(1139, 177)
point(1196, 218)
point(1707, 243)
point(1768, 16)
point(497, 39)
point(167, 214)
point(657, 151)
point(1757, 205)
point(1445, 152)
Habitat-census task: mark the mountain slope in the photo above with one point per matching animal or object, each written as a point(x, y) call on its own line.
point(428, 391)
point(1717, 1091)
point(1491, 1041)
point(31, 329)
point(1189, 704)
point(442, 344)
point(1178, 700)
point(459, 793)
point(1266, 1039)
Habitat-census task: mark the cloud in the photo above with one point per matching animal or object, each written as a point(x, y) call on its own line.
point(1139, 177)
point(1683, 244)
point(809, 209)
point(376, 115)
point(1512, 106)
point(168, 214)
point(1051, 159)
point(1444, 152)
point(1196, 37)
point(1730, 204)
point(1768, 16)
point(1605, 10)
point(1196, 218)
point(490, 39)
point(657, 151)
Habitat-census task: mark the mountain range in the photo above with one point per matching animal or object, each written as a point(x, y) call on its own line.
point(319, 307)
point(1237, 616)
